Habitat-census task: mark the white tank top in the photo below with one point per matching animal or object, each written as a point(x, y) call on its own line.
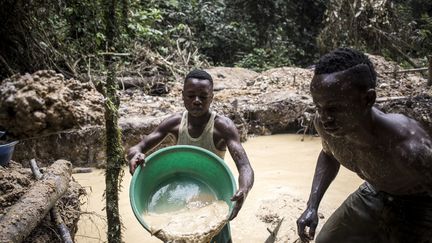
point(205, 140)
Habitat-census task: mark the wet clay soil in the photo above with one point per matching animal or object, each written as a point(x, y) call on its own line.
point(283, 167)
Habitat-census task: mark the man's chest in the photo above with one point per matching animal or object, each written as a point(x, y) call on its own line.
point(369, 162)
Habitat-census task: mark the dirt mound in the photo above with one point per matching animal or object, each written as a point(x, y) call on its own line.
point(45, 102)
point(416, 107)
point(390, 84)
point(275, 101)
point(405, 93)
point(287, 207)
point(14, 182)
point(285, 78)
point(382, 65)
point(228, 77)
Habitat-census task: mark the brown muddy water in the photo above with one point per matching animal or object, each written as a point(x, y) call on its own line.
point(197, 222)
point(283, 165)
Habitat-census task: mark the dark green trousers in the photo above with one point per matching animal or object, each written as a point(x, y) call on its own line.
point(224, 235)
point(368, 216)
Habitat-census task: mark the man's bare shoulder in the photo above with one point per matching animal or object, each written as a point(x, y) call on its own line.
point(411, 140)
point(224, 124)
point(402, 127)
point(415, 142)
point(415, 146)
point(171, 122)
point(176, 117)
point(416, 158)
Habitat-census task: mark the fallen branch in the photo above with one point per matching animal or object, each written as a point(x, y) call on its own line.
point(412, 70)
point(384, 99)
point(273, 234)
point(429, 83)
point(113, 54)
point(35, 169)
point(392, 46)
point(64, 231)
point(6, 65)
point(20, 219)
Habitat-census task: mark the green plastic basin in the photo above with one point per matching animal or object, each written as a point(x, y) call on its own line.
point(176, 170)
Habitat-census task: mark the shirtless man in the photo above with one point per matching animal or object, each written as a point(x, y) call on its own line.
point(391, 152)
point(201, 127)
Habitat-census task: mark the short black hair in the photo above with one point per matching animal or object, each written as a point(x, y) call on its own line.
point(342, 59)
point(199, 74)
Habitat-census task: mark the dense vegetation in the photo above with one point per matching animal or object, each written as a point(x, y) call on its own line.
point(168, 37)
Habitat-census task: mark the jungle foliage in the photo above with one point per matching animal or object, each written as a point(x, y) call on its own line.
point(396, 29)
point(169, 37)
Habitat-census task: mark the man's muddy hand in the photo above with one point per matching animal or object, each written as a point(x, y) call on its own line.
point(239, 198)
point(309, 219)
point(137, 159)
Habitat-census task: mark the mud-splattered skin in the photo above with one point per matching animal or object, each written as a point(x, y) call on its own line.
point(390, 151)
point(388, 163)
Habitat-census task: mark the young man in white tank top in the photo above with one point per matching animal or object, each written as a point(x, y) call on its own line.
point(201, 127)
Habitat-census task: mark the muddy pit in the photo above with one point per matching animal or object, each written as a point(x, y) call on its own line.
point(57, 118)
point(279, 192)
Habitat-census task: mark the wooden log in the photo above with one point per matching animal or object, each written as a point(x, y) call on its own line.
point(133, 82)
point(55, 216)
point(78, 170)
point(21, 218)
point(141, 82)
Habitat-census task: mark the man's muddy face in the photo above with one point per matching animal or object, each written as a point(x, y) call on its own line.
point(197, 96)
point(340, 105)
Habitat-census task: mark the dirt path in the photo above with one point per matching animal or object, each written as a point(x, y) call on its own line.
point(283, 174)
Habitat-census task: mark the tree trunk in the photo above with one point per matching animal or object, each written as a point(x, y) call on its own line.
point(25, 215)
point(115, 159)
point(114, 147)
